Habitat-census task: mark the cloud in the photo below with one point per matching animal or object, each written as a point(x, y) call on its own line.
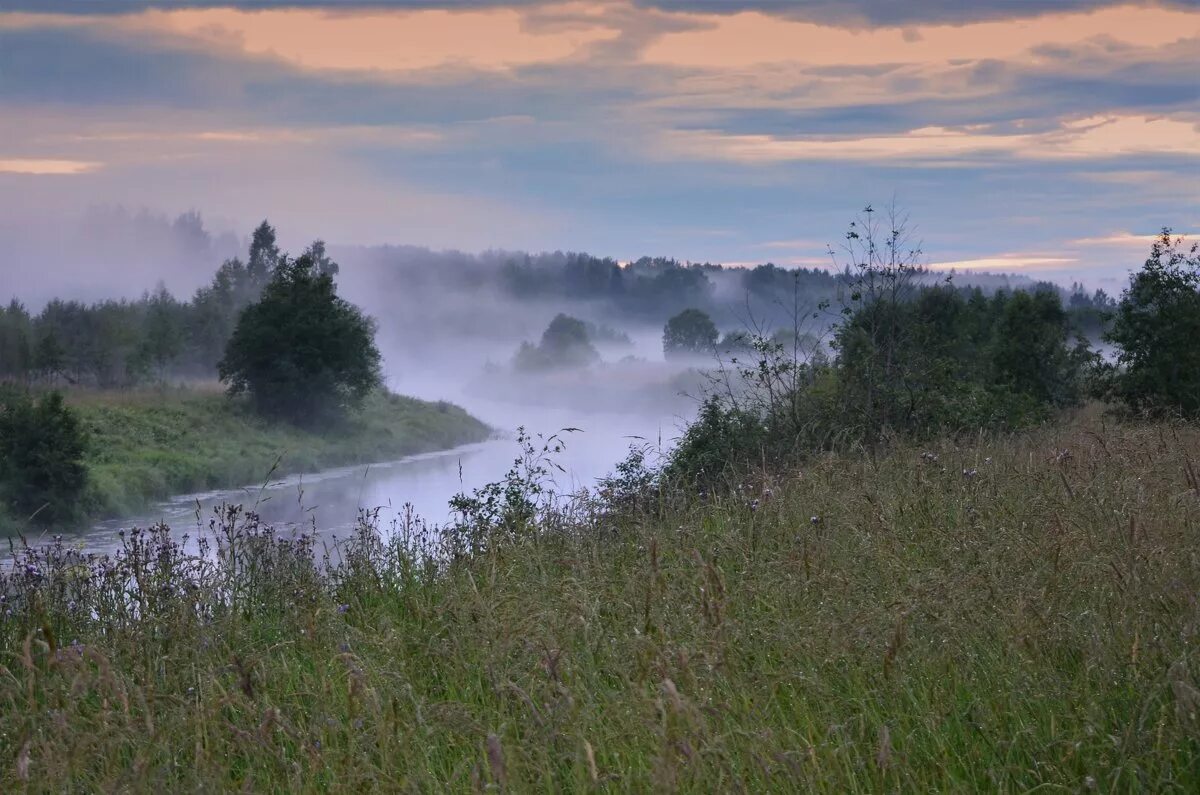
point(854, 12)
point(1102, 137)
point(793, 243)
point(372, 40)
point(897, 12)
point(1006, 263)
point(45, 166)
point(1117, 239)
point(752, 38)
point(572, 127)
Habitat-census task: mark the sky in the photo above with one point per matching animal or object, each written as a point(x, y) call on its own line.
point(1046, 137)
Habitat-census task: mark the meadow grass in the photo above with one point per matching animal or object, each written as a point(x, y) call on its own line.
point(150, 444)
point(1012, 613)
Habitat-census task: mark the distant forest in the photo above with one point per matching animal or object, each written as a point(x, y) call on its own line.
point(117, 343)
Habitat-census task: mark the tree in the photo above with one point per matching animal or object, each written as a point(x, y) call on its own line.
point(321, 260)
point(41, 457)
point(301, 353)
point(264, 254)
point(49, 357)
point(689, 332)
point(1156, 327)
point(16, 348)
point(1030, 354)
point(564, 343)
point(163, 334)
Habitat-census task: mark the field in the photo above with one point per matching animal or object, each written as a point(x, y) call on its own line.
point(1009, 613)
point(147, 445)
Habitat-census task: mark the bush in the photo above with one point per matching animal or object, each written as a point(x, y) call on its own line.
point(42, 475)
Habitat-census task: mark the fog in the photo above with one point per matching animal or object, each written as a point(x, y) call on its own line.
point(447, 330)
point(448, 325)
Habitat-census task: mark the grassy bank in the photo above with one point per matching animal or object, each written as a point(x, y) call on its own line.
point(1008, 615)
point(145, 446)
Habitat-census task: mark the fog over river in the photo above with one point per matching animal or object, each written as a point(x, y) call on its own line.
point(330, 500)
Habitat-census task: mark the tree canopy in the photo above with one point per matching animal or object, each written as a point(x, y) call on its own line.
point(564, 343)
point(1157, 328)
point(690, 332)
point(300, 352)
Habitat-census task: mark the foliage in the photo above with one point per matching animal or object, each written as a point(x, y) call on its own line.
point(499, 512)
point(1091, 314)
point(723, 438)
point(691, 332)
point(301, 352)
point(634, 484)
point(912, 359)
point(155, 338)
point(1156, 330)
point(1013, 614)
point(41, 458)
point(607, 335)
point(564, 344)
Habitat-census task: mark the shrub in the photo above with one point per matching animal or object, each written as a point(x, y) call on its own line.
point(41, 457)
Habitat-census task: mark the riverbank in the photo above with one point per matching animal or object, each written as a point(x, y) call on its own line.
point(145, 446)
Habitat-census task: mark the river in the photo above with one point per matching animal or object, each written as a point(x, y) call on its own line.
point(330, 500)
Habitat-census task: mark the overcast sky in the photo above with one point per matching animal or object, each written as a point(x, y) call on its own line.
point(1041, 136)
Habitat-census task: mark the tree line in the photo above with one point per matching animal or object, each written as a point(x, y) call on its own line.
point(919, 360)
point(119, 343)
point(296, 350)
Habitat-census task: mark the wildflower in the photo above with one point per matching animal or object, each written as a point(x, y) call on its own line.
point(930, 457)
point(970, 473)
point(343, 609)
point(815, 520)
point(753, 505)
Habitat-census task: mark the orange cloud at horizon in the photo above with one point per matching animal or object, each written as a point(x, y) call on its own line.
point(1005, 263)
point(46, 166)
point(1095, 137)
point(382, 40)
point(375, 39)
point(753, 38)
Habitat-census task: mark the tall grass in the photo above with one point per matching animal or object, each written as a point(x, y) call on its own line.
point(1013, 613)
